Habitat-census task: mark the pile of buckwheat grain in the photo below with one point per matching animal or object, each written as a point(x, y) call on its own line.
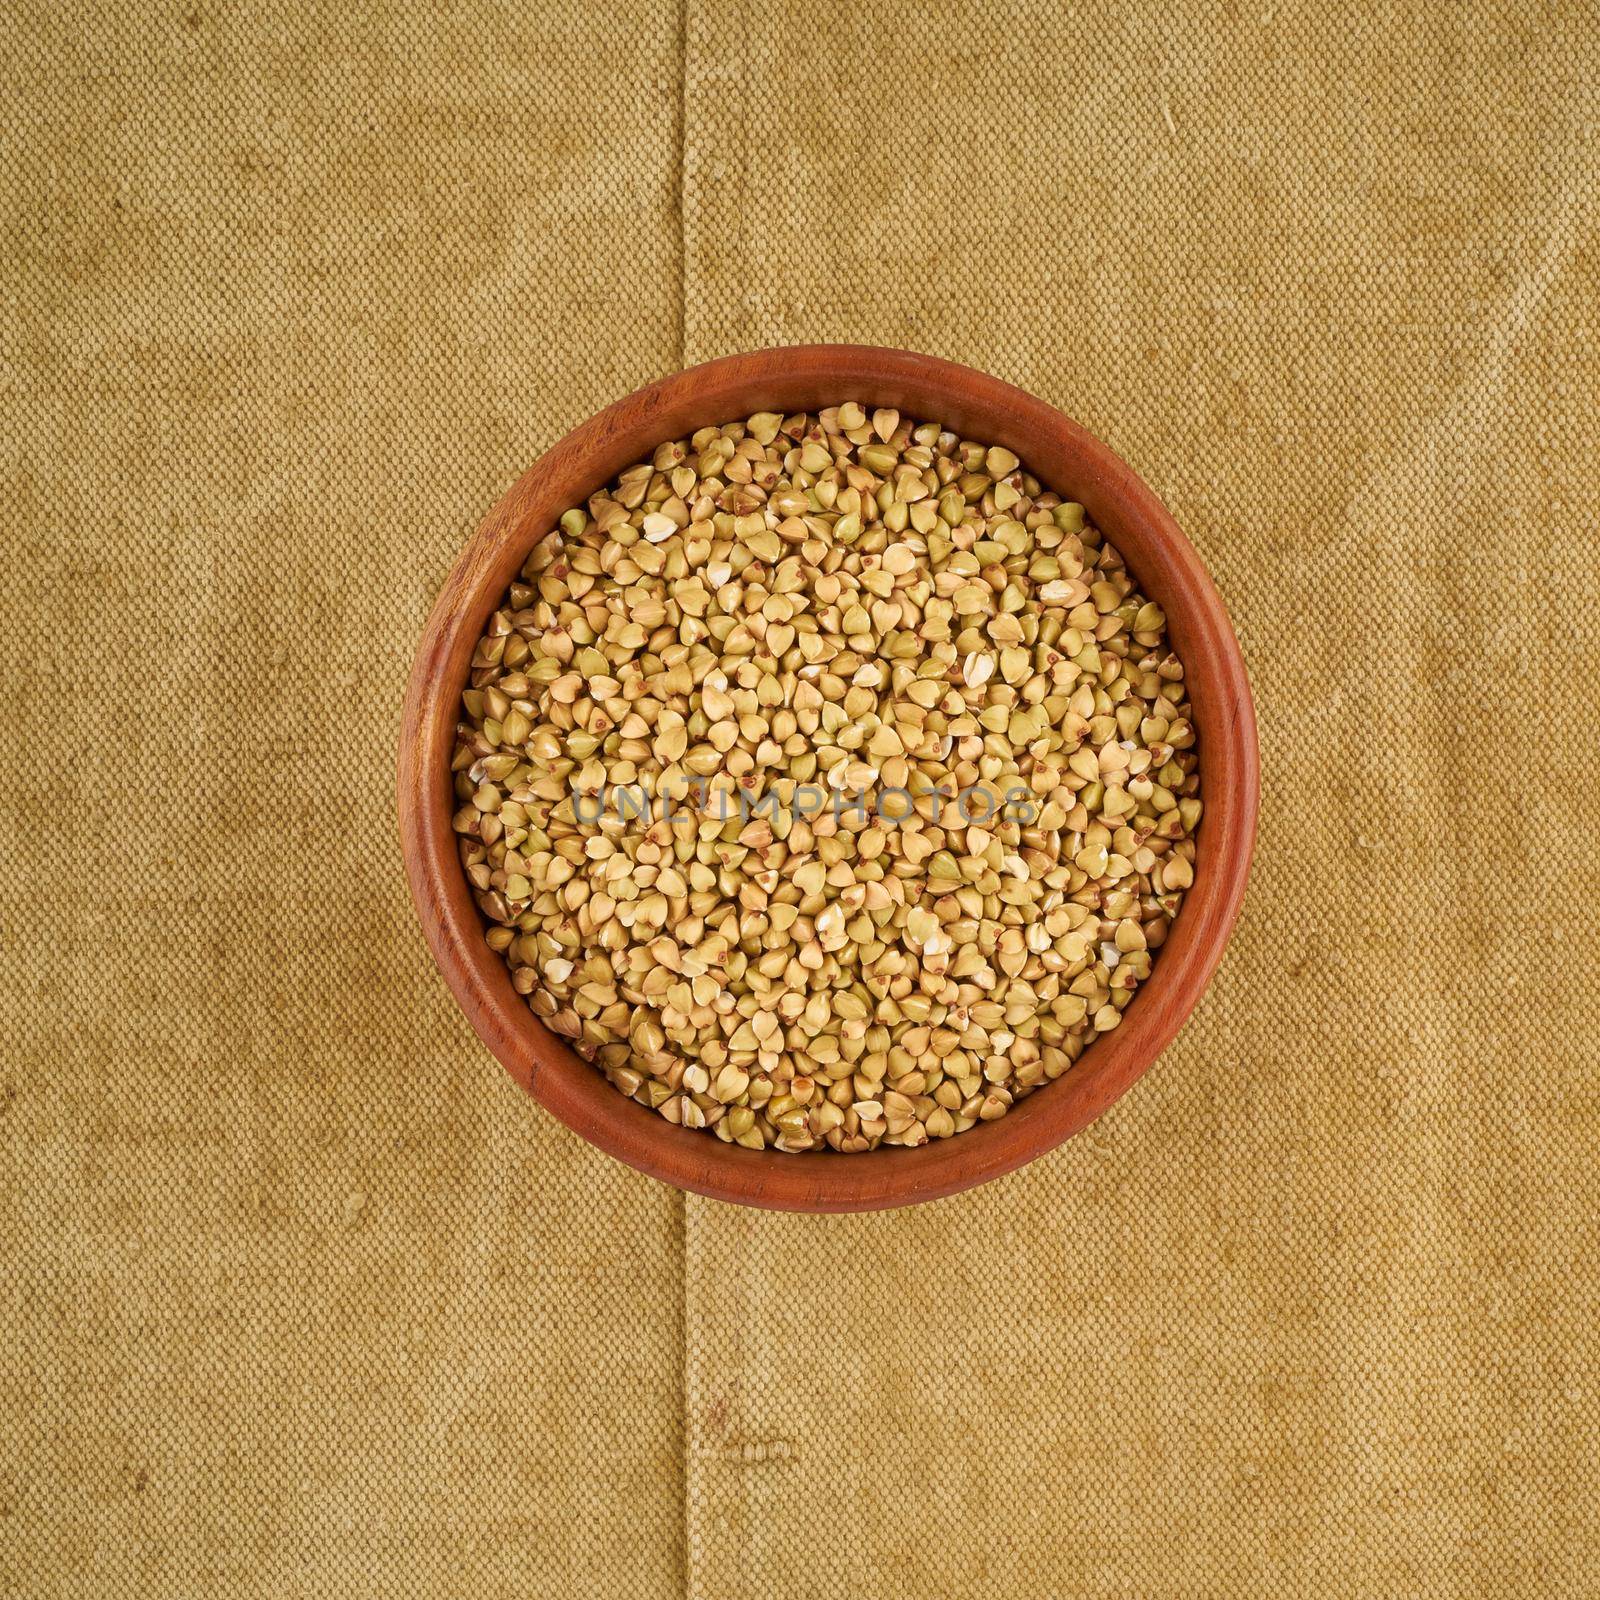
point(826, 782)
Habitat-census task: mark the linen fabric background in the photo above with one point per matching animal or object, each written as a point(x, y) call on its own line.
point(301, 1296)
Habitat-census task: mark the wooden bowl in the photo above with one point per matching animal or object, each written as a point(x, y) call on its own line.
point(1064, 458)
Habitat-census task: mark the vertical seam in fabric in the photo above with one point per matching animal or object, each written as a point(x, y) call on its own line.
point(685, 1532)
point(681, 142)
point(681, 330)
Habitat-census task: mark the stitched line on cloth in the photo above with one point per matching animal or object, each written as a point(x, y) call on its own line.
point(681, 143)
point(680, 330)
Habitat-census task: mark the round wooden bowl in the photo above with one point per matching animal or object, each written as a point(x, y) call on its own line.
point(1064, 458)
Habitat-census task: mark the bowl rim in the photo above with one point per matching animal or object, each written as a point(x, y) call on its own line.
point(1064, 456)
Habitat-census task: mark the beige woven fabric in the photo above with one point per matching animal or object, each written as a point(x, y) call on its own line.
point(301, 1297)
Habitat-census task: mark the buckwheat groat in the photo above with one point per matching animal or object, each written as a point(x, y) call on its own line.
point(826, 782)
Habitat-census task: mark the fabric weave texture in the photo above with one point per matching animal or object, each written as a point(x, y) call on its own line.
point(301, 1296)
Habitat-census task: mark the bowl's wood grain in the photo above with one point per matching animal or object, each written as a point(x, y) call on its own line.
point(1067, 460)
